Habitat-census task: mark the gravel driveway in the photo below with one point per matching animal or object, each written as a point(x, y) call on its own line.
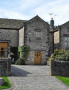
point(34, 77)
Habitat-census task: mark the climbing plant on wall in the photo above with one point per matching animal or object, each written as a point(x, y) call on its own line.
point(24, 52)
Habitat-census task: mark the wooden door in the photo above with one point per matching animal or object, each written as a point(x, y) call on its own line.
point(37, 58)
point(3, 50)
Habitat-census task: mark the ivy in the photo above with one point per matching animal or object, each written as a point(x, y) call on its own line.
point(24, 51)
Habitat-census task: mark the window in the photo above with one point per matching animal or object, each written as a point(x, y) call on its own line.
point(3, 52)
point(38, 34)
point(66, 41)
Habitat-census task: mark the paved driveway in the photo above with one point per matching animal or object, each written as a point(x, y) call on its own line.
point(33, 77)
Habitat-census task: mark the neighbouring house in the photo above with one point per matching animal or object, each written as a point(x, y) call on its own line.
point(64, 36)
point(61, 37)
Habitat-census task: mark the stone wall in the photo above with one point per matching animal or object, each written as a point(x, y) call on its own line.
point(59, 68)
point(21, 37)
point(37, 44)
point(51, 42)
point(5, 66)
point(56, 46)
point(9, 35)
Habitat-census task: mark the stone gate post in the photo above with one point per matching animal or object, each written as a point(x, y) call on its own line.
point(51, 66)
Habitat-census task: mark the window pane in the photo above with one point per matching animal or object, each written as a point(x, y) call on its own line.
point(5, 48)
point(65, 38)
point(36, 34)
point(2, 48)
point(2, 53)
point(37, 55)
point(5, 54)
point(68, 38)
point(68, 43)
point(39, 34)
point(65, 43)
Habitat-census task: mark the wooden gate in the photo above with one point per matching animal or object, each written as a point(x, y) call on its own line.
point(37, 58)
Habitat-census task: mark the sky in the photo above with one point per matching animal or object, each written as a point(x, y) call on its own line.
point(27, 9)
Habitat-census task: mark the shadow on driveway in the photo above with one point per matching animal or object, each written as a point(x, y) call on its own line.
point(18, 72)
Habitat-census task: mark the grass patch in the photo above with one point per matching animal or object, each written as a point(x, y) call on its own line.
point(7, 83)
point(63, 79)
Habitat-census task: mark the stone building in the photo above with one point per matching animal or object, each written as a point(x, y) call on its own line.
point(35, 33)
point(9, 35)
point(61, 37)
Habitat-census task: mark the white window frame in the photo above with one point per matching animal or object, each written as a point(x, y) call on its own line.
point(38, 34)
point(66, 41)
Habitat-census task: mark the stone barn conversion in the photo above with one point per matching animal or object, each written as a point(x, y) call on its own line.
point(36, 33)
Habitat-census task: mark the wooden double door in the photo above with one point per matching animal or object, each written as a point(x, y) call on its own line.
point(37, 58)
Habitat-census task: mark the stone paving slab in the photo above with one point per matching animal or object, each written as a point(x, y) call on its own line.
point(34, 77)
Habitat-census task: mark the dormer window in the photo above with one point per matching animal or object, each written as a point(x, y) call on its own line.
point(38, 34)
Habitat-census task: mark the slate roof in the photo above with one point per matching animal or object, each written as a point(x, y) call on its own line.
point(36, 18)
point(11, 23)
point(66, 24)
point(16, 24)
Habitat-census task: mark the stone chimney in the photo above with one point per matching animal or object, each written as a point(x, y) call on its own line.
point(52, 23)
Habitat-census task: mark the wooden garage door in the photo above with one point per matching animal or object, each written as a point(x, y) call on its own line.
point(37, 58)
point(3, 50)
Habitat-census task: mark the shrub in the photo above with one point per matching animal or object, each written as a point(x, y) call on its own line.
point(56, 52)
point(49, 58)
point(60, 58)
point(61, 52)
point(20, 61)
point(60, 55)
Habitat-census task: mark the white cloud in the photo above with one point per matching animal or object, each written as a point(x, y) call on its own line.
point(59, 8)
point(26, 9)
point(13, 15)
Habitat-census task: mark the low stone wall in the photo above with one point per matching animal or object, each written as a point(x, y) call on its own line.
point(59, 68)
point(5, 66)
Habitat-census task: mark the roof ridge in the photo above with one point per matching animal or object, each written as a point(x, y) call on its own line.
point(64, 23)
point(39, 17)
point(13, 19)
